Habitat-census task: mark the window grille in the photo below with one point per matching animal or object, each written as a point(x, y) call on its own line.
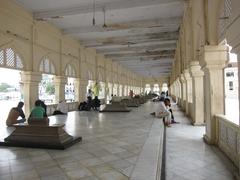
point(70, 71)
point(10, 59)
point(46, 66)
point(1, 57)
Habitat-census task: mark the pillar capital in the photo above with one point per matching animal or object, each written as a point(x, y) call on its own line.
point(60, 80)
point(216, 57)
point(195, 69)
point(187, 75)
point(83, 82)
point(182, 78)
point(31, 77)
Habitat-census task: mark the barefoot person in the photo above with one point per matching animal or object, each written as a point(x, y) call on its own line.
point(163, 112)
point(14, 114)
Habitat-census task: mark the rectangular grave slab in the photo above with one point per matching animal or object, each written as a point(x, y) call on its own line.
point(40, 136)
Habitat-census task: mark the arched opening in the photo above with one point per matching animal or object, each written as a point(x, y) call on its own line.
point(147, 88)
point(125, 90)
point(156, 89)
point(115, 89)
point(110, 92)
point(164, 87)
point(90, 81)
point(70, 73)
point(46, 86)
point(101, 86)
point(11, 87)
point(120, 93)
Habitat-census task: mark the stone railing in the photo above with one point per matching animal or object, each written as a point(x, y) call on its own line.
point(228, 138)
point(72, 106)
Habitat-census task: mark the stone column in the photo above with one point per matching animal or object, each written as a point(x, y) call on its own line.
point(238, 56)
point(77, 91)
point(83, 89)
point(60, 82)
point(30, 81)
point(188, 80)
point(178, 91)
point(215, 59)
point(198, 93)
point(183, 92)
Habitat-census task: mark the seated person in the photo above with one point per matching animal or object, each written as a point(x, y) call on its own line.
point(14, 115)
point(62, 108)
point(38, 114)
point(82, 106)
point(96, 103)
point(38, 111)
point(163, 112)
point(44, 107)
point(89, 104)
point(85, 106)
point(172, 116)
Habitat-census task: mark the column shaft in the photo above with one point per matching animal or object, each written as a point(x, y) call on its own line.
point(215, 59)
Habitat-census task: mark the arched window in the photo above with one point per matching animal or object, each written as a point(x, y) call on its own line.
point(10, 59)
point(46, 66)
point(70, 71)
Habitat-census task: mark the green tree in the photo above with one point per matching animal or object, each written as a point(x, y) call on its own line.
point(50, 89)
point(4, 87)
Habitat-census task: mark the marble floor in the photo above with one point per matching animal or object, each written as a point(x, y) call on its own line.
point(188, 157)
point(112, 144)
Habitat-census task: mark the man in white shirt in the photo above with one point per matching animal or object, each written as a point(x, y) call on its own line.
point(163, 112)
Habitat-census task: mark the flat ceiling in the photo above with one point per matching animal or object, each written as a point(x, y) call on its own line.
point(140, 35)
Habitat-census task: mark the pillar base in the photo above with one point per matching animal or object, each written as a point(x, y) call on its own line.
point(198, 124)
point(207, 140)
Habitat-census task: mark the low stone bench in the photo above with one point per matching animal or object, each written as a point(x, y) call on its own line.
point(38, 134)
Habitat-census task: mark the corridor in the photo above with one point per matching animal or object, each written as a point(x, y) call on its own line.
point(188, 157)
point(111, 148)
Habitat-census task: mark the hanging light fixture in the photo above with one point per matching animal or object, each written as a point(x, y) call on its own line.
point(94, 9)
point(104, 16)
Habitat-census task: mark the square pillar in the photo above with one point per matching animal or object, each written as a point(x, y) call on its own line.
point(83, 89)
point(183, 92)
point(77, 91)
point(215, 59)
point(188, 80)
point(60, 82)
point(198, 93)
point(30, 82)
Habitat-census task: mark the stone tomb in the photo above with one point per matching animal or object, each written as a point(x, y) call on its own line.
point(131, 102)
point(39, 135)
point(115, 107)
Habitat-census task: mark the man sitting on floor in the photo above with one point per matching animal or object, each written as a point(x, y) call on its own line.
point(163, 112)
point(14, 115)
point(96, 103)
point(61, 108)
